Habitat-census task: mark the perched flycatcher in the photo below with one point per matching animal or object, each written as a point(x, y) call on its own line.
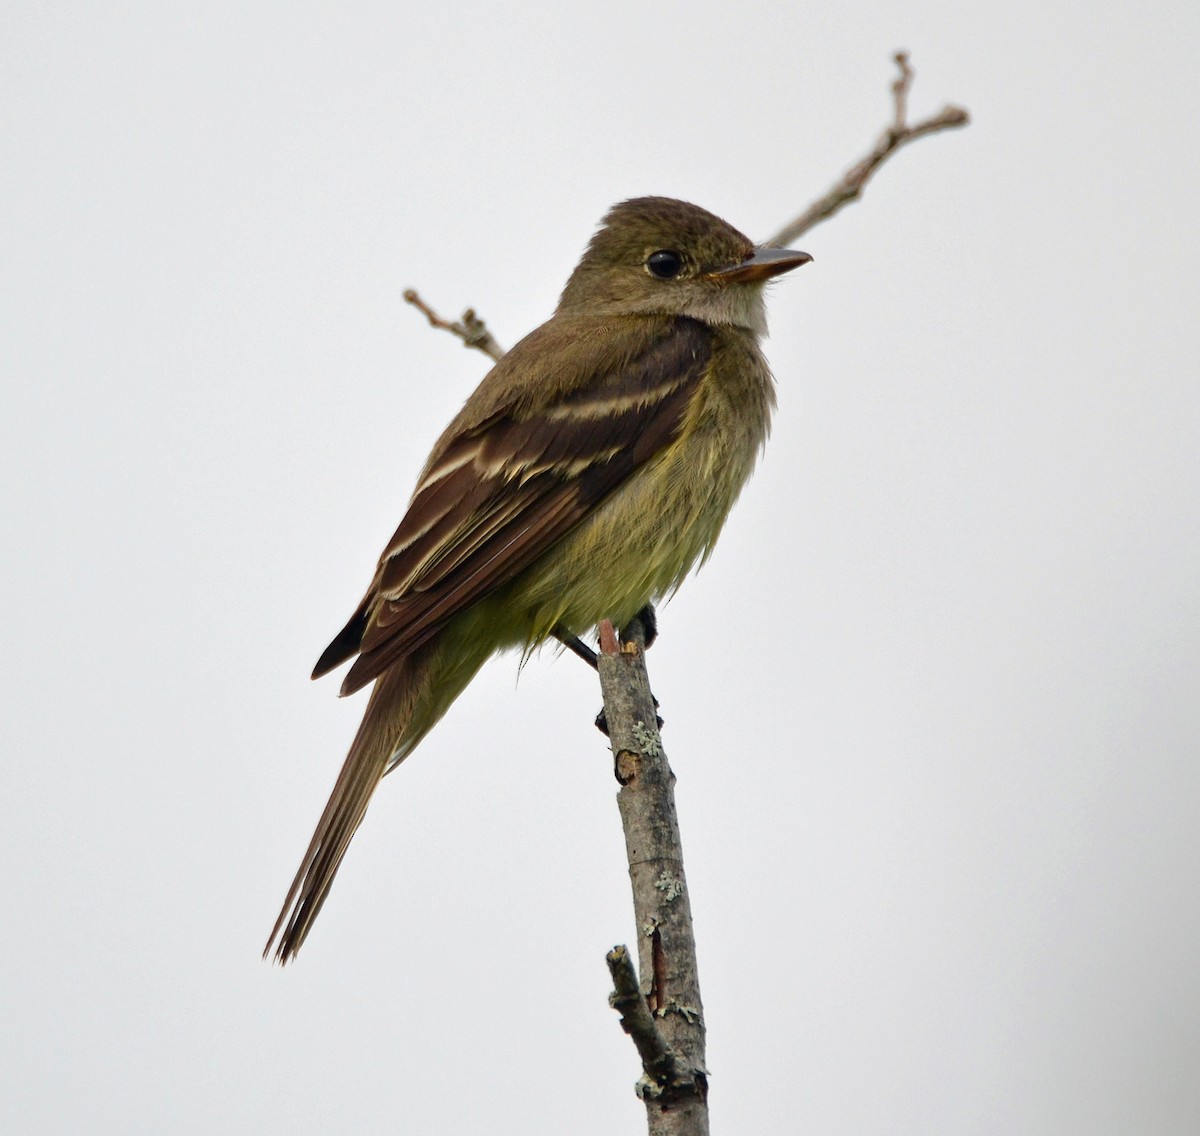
point(591, 469)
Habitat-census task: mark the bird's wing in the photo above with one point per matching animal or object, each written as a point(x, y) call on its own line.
point(500, 491)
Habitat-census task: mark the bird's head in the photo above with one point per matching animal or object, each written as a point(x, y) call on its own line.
point(659, 256)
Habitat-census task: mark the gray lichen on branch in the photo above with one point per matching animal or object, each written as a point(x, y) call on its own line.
point(662, 1074)
point(674, 1080)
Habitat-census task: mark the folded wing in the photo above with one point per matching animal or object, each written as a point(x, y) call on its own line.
point(499, 493)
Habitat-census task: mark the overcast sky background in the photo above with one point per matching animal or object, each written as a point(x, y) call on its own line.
point(934, 705)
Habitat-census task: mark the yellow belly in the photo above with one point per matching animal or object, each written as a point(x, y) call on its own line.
point(640, 544)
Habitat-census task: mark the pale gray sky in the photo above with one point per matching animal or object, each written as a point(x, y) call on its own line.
point(941, 822)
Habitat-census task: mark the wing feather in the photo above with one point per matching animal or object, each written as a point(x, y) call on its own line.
point(499, 493)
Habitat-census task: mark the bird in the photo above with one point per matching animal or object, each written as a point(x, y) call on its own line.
point(589, 472)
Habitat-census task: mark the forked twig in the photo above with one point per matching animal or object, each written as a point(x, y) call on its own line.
point(898, 134)
point(474, 332)
point(470, 329)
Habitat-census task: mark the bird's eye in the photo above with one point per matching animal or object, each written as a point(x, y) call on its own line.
point(665, 264)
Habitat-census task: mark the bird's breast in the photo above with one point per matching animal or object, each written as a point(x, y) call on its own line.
point(641, 541)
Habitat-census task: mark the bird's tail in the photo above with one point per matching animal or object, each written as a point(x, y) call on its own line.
point(407, 700)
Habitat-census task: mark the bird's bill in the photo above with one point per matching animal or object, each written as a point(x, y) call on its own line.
point(760, 265)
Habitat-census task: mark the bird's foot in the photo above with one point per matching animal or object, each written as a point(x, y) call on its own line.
point(648, 618)
point(643, 627)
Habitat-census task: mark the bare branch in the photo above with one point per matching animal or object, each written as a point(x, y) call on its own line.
point(662, 1013)
point(897, 135)
point(474, 332)
point(470, 329)
point(900, 89)
point(675, 1082)
point(661, 1072)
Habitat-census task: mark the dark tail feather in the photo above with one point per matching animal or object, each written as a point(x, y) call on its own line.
point(379, 738)
point(345, 644)
point(407, 700)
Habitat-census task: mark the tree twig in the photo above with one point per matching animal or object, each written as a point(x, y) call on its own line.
point(662, 1013)
point(665, 1019)
point(474, 332)
point(900, 89)
point(897, 135)
point(470, 329)
point(661, 1069)
point(674, 1084)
